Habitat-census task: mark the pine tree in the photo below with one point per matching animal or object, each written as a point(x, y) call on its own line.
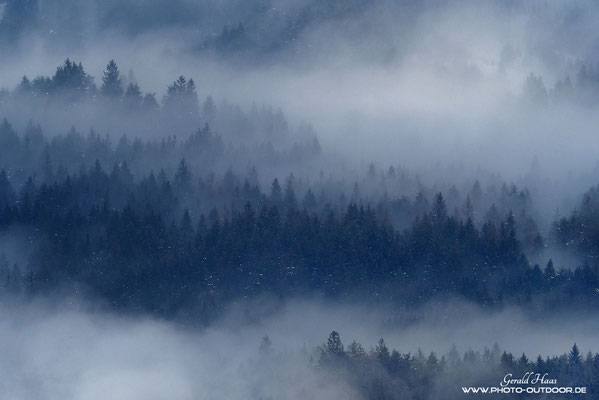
point(468, 208)
point(181, 99)
point(549, 270)
point(523, 362)
point(289, 198)
point(112, 86)
point(432, 363)
point(507, 361)
point(334, 345)
point(25, 87)
point(183, 176)
point(71, 81)
point(356, 351)
point(133, 97)
point(175, 92)
point(150, 104)
point(381, 352)
point(275, 192)
point(574, 357)
point(439, 209)
point(186, 227)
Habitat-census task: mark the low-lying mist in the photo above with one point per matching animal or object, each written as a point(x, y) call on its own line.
point(67, 350)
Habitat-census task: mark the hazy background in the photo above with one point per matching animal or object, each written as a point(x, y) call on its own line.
point(411, 83)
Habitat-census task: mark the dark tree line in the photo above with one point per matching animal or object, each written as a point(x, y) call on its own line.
point(125, 242)
point(205, 159)
point(149, 225)
point(72, 84)
point(70, 100)
point(582, 89)
point(385, 373)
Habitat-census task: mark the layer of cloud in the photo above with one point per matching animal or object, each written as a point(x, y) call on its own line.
point(66, 351)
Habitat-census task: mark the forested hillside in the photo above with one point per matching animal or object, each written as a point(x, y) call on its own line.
point(195, 193)
point(387, 373)
point(133, 223)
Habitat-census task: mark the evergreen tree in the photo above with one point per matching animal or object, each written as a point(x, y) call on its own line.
point(334, 344)
point(275, 192)
point(133, 97)
point(574, 357)
point(111, 81)
point(356, 351)
point(439, 209)
point(72, 82)
point(150, 104)
point(25, 87)
point(381, 352)
point(183, 176)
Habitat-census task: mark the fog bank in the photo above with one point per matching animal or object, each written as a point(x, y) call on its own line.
point(69, 351)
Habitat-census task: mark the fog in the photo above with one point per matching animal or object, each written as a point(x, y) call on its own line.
point(413, 84)
point(402, 97)
point(67, 350)
point(435, 87)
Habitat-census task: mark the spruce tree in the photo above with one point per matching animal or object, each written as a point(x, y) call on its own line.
point(112, 86)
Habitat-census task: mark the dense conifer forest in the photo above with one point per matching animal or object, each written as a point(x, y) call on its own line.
point(109, 220)
point(194, 193)
point(385, 373)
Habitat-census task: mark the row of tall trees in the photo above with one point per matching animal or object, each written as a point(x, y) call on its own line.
point(214, 181)
point(72, 84)
point(385, 373)
point(583, 89)
point(127, 244)
point(118, 106)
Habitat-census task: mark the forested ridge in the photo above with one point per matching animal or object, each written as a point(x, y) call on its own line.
point(195, 193)
point(381, 372)
point(136, 256)
point(138, 226)
point(146, 243)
